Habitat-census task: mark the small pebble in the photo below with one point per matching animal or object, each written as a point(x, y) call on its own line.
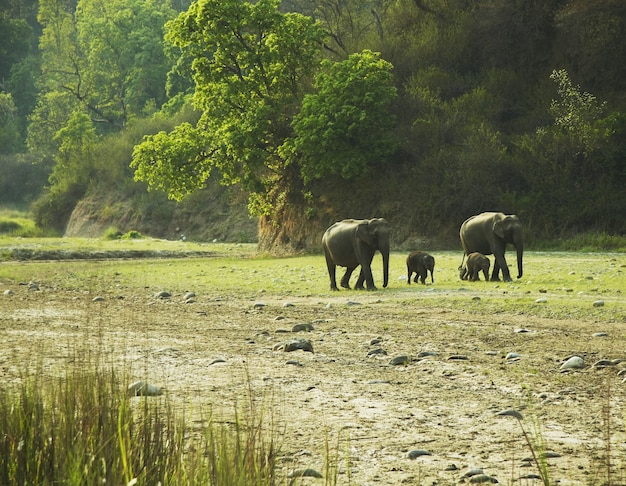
point(97, 298)
point(414, 454)
point(301, 473)
point(259, 305)
point(140, 388)
point(288, 304)
point(189, 295)
point(575, 362)
point(376, 352)
point(163, 294)
point(399, 361)
point(482, 478)
point(512, 356)
point(305, 326)
point(8, 292)
point(541, 300)
point(598, 303)
point(600, 334)
point(510, 412)
point(458, 357)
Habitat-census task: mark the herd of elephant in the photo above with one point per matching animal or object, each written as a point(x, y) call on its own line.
point(353, 242)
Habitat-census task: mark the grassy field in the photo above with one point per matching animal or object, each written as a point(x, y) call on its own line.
point(327, 412)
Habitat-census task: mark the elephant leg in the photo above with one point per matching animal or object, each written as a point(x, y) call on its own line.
point(423, 277)
point(332, 268)
point(359, 281)
point(408, 277)
point(345, 280)
point(500, 264)
point(366, 277)
point(495, 274)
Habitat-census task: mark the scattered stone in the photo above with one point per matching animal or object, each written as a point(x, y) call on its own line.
point(191, 300)
point(377, 352)
point(512, 356)
point(399, 361)
point(415, 453)
point(491, 353)
point(541, 300)
point(476, 298)
point(189, 295)
point(351, 303)
point(426, 354)
point(510, 412)
point(97, 298)
point(143, 389)
point(601, 334)
point(306, 326)
point(522, 330)
point(301, 473)
point(473, 472)
point(598, 303)
point(259, 305)
point(451, 467)
point(217, 360)
point(163, 294)
point(8, 292)
point(549, 455)
point(379, 382)
point(282, 331)
point(294, 345)
point(293, 362)
point(621, 372)
point(575, 362)
point(329, 306)
point(33, 285)
point(376, 341)
point(458, 357)
point(603, 363)
point(288, 304)
point(482, 478)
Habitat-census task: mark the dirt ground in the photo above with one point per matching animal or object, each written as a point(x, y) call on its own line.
point(427, 421)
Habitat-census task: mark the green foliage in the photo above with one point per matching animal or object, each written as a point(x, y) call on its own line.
point(250, 63)
point(347, 125)
point(10, 139)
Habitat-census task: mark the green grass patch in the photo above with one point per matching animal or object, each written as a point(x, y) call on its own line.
point(14, 223)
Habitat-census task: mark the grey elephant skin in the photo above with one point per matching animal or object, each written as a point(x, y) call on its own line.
point(489, 234)
point(353, 242)
point(475, 263)
point(420, 263)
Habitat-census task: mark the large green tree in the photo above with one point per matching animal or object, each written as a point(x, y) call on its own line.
point(264, 122)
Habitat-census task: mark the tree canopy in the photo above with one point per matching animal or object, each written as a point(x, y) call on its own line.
point(264, 122)
point(441, 109)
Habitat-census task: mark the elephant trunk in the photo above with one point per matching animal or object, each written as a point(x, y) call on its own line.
point(519, 246)
point(385, 253)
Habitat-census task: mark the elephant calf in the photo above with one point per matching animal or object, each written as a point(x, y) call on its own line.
point(420, 263)
point(476, 262)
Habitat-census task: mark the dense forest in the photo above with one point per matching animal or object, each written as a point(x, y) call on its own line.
point(420, 111)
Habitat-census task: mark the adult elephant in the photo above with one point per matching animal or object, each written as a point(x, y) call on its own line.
point(489, 233)
point(353, 242)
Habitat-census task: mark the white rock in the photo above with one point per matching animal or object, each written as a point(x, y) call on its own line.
point(575, 362)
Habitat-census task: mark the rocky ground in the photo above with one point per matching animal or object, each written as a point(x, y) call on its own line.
point(427, 419)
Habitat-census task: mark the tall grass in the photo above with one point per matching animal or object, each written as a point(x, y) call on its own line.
point(83, 428)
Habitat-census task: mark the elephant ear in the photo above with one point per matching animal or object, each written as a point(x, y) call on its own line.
point(365, 233)
point(498, 228)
